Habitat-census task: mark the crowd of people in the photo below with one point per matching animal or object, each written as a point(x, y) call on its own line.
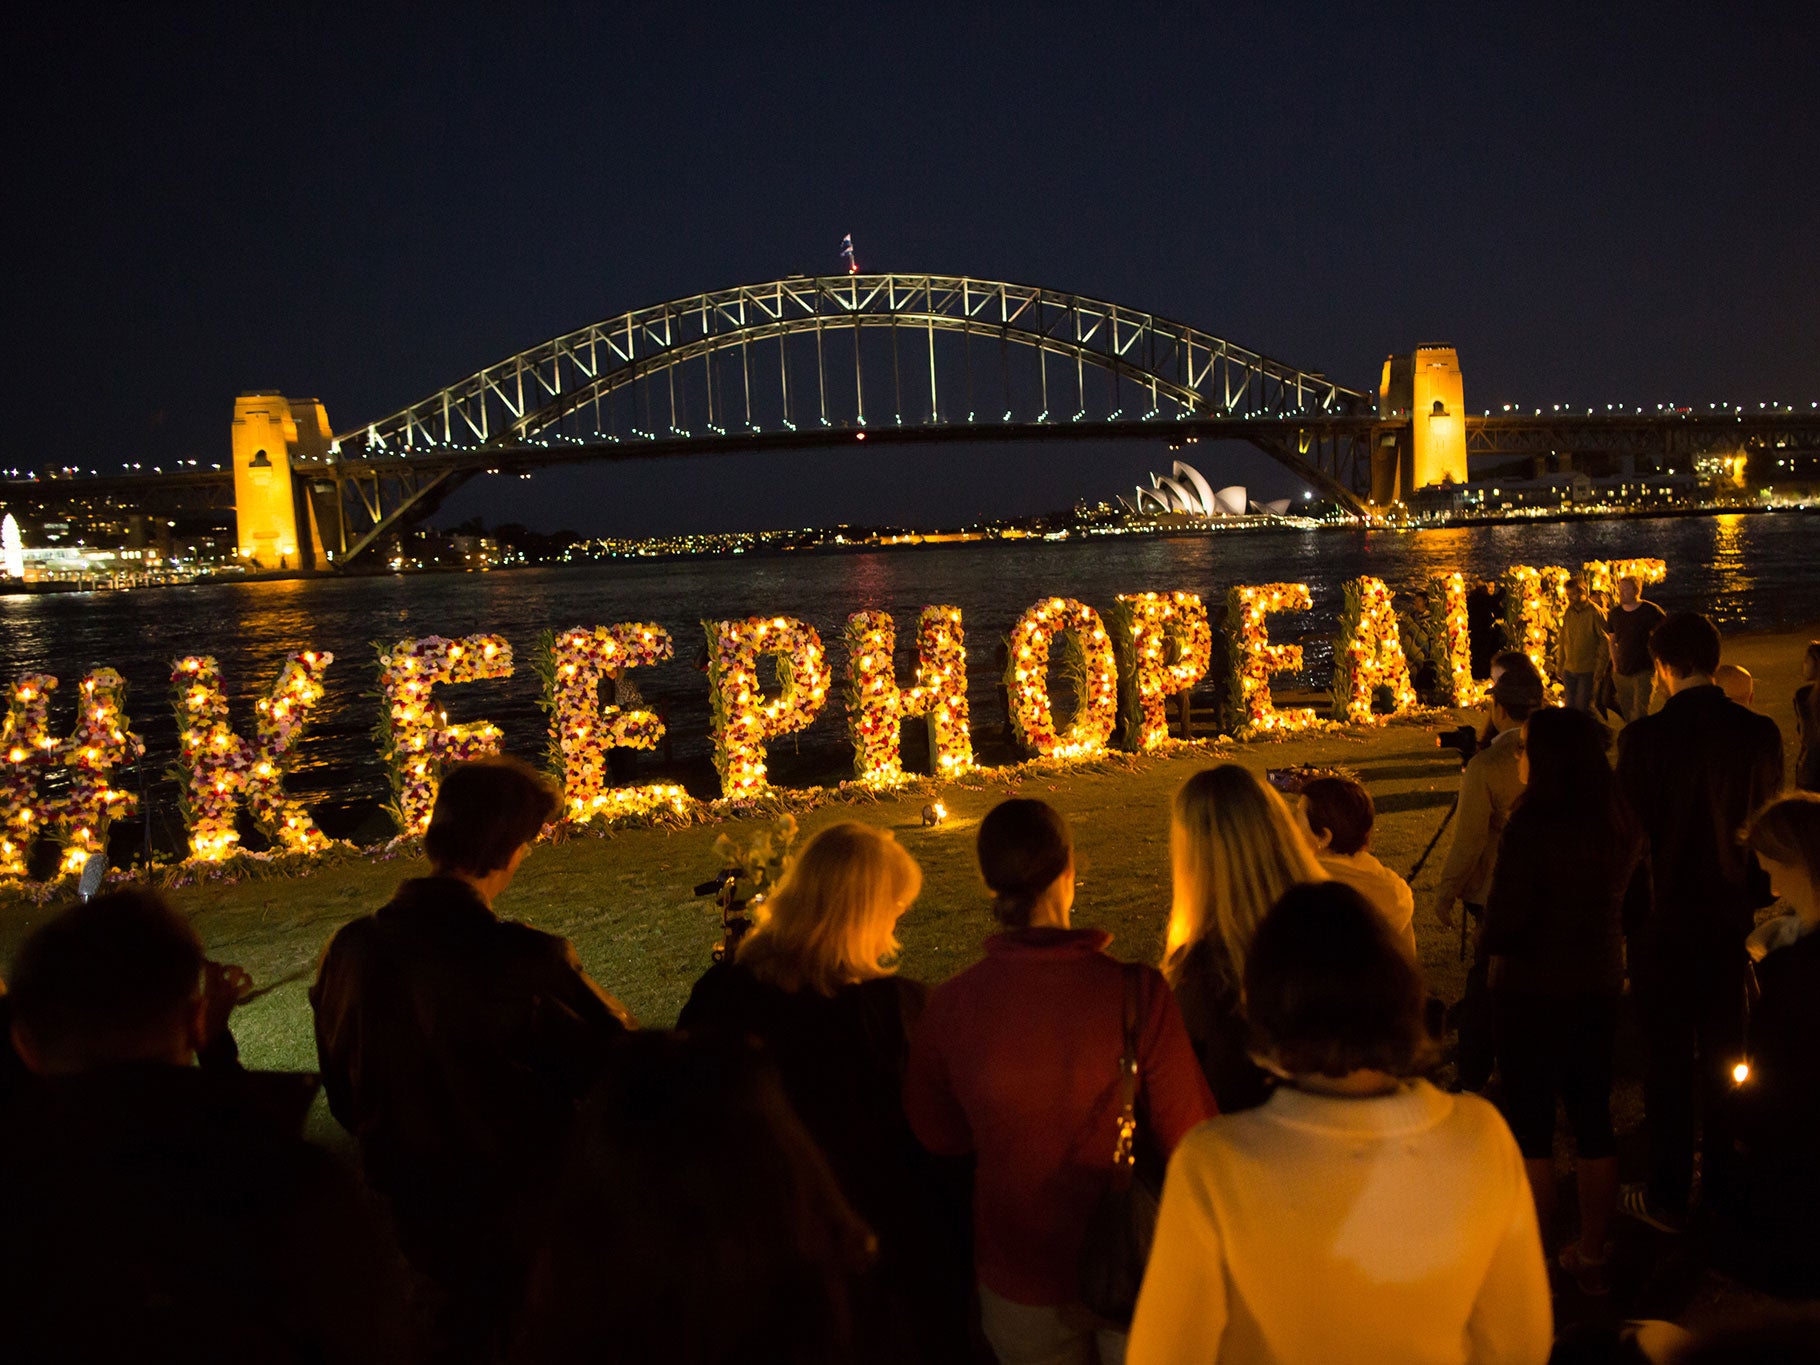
point(827, 1161)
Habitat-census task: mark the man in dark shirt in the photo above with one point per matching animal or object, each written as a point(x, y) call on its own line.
point(455, 1047)
point(1629, 625)
point(1694, 772)
point(160, 1211)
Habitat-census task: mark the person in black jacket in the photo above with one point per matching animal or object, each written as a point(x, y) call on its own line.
point(813, 983)
point(455, 1046)
point(157, 1210)
point(1554, 933)
point(697, 1223)
point(1693, 772)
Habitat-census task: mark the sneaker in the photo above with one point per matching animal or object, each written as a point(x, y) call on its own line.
point(1634, 1202)
point(1593, 1278)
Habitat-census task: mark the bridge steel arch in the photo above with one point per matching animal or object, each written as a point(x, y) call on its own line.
point(545, 405)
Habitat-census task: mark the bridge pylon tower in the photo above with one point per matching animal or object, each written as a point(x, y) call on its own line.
point(275, 518)
point(1423, 442)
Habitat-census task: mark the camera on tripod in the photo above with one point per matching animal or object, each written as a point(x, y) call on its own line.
point(734, 921)
point(752, 864)
point(1464, 741)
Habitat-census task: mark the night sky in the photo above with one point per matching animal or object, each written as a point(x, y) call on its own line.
point(1594, 204)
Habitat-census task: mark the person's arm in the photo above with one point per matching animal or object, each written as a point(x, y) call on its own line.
point(1512, 1319)
point(1767, 772)
point(1406, 916)
point(1516, 887)
point(589, 1002)
point(1173, 1092)
point(934, 1111)
point(1181, 1308)
point(224, 986)
point(1638, 892)
point(327, 1006)
point(1471, 833)
point(344, 1280)
point(1769, 935)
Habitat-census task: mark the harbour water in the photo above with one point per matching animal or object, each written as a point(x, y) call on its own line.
point(1750, 572)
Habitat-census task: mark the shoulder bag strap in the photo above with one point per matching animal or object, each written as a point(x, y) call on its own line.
point(1124, 1156)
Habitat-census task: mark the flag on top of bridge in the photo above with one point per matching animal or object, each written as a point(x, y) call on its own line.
point(846, 251)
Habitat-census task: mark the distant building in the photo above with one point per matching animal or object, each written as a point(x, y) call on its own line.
point(1185, 492)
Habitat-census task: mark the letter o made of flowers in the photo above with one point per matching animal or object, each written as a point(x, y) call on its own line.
point(744, 719)
point(1091, 656)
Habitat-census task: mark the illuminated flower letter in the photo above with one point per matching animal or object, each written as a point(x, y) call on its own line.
point(1603, 575)
point(1164, 647)
point(743, 719)
point(99, 743)
point(1448, 627)
point(876, 706)
point(414, 735)
point(1087, 654)
point(1369, 654)
point(26, 750)
point(220, 769)
point(1254, 658)
point(582, 730)
point(1534, 600)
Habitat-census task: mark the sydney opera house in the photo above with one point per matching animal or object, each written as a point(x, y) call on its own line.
point(1186, 493)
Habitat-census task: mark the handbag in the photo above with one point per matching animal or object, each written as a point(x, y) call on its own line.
point(1123, 1224)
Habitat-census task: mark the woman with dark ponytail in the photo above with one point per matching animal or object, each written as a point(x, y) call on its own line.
point(1016, 1061)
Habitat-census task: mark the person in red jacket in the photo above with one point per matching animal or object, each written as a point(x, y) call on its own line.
point(1016, 1061)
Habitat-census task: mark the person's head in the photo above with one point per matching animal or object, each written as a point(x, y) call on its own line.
point(1564, 759)
point(1685, 648)
point(1234, 848)
point(1329, 991)
point(1576, 591)
point(1026, 857)
point(833, 919)
point(118, 979)
point(486, 815)
point(1630, 590)
point(1810, 662)
point(1785, 836)
point(1736, 682)
point(1337, 812)
point(1512, 660)
point(693, 1189)
point(1516, 696)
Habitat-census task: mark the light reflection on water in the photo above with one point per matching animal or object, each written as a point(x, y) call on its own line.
point(1747, 571)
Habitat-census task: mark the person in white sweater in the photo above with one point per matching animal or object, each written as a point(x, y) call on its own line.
point(1359, 1215)
point(1337, 814)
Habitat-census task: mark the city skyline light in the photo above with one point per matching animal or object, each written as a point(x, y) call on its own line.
point(364, 211)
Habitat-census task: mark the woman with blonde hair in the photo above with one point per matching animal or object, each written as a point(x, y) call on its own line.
point(815, 983)
point(1234, 849)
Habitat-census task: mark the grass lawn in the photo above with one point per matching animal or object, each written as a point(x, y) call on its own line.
point(626, 899)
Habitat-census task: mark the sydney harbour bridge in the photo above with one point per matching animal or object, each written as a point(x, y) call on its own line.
point(861, 360)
